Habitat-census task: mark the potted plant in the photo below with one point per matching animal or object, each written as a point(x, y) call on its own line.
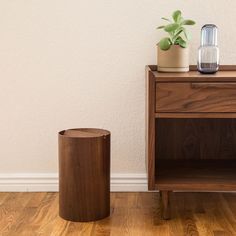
point(172, 51)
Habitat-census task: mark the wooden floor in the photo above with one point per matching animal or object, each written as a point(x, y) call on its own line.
point(134, 214)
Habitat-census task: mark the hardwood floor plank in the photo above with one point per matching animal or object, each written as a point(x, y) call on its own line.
point(60, 227)
point(226, 218)
point(176, 226)
point(32, 224)
point(132, 214)
point(11, 210)
point(79, 229)
point(36, 199)
point(47, 223)
point(3, 197)
point(230, 199)
point(23, 226)
point(222, 233)
point(228, 211)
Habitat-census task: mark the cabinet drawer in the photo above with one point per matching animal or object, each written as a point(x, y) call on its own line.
point(196, 97)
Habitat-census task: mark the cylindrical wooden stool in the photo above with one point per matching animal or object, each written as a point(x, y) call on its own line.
point(84, 174)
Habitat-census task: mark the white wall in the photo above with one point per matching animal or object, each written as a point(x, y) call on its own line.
point(66, 64)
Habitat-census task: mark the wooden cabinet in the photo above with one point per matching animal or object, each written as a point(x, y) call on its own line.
point(191, 131)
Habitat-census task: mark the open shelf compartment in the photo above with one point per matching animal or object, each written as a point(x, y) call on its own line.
point(217, 175)
point(195, 154)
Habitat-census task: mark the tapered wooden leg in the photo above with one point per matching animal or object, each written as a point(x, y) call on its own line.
point(165, 198)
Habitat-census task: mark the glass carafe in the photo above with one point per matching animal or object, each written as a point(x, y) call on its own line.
point(208, 52)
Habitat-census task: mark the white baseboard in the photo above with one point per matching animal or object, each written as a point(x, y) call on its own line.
point(129, 183)
point(48, 182)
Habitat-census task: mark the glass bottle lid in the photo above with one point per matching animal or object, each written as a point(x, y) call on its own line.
point(209, 35)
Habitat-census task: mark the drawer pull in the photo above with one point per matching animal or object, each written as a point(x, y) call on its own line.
point(213, 85)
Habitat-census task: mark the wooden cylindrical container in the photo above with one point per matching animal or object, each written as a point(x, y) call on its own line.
point(84, 174)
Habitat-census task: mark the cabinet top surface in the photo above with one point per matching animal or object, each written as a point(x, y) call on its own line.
point(225, 74)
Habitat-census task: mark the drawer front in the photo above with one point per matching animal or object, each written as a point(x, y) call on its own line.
point(196, 97)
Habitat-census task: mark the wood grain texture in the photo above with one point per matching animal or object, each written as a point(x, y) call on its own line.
point(9, 212)
point(84, 174)
point(165, 197)
point(194, 67)
point(150, 128)
point(176, 115)
point(194, 76)
point(203, 214)
point(196, 139)
point(226, 73)
point(194, 142)
point(196, 97)
point(198, 175)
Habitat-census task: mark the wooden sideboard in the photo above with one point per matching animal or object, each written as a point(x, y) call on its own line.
point(191, 131)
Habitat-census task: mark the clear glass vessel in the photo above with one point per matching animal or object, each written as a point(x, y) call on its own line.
point(208, 52)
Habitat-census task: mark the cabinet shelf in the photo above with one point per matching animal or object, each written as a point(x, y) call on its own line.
point(196, 175)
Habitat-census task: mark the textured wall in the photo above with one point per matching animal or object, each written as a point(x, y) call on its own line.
point(77, 63)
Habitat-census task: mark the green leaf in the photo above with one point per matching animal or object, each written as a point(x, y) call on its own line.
point(165, 44)
point(164, 18)
point(186, 34)
point(182, 43)
point(176, 15)
point(177, 34)
point(171, 27)
point(188, 22)
point(181, 19)
point(161, 27)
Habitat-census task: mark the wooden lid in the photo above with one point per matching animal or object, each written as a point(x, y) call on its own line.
point(84, 133)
